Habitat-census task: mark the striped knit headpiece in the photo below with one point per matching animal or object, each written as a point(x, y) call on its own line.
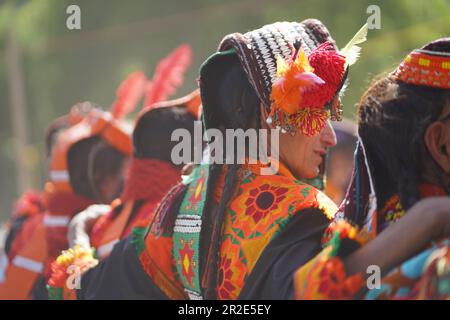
point(295, 69)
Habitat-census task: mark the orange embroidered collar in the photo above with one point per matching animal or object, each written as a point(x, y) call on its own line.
point(282, 169)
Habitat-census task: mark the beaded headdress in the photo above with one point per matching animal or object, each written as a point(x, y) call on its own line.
point(424, 67)
point(295, 69)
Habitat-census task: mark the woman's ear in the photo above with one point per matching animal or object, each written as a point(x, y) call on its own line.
point(437, 141)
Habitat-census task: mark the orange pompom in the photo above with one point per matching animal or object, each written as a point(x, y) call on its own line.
point(303, 87)
point(294, 79)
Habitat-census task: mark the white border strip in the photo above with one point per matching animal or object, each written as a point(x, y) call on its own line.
point(106, 248)
point(28, 264)
point(59, 175)
point(56, 221)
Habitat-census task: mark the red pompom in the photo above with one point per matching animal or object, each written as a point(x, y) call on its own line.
point(329, 65)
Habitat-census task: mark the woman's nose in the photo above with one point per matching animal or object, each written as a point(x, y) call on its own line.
point(328, 136)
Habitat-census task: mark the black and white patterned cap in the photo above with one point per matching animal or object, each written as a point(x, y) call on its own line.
point(258, 50)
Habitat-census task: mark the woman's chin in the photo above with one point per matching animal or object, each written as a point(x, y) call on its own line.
point(310, 174)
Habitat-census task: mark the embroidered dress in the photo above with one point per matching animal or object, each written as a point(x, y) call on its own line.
point(260, 211)
point(161, 261)
point(262, 208)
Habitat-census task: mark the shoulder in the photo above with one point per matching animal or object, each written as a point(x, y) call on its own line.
point(284, 191)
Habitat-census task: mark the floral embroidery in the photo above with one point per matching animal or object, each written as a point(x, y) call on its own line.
point(232, 268)
point(260, 210)
point(425, 276)
point(225, 274)
point(341, 229)
point(263, 200)
point(334, 283)
point(324, 277)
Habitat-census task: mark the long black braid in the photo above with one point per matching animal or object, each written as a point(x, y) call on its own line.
point(238, 106)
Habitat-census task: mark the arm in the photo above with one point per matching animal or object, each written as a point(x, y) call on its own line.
point(338, 271)
point(405, 238)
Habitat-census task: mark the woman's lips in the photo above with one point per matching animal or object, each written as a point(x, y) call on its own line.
point(318, 159)
point(321, 152)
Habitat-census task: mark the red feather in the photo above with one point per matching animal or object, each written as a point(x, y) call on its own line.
point(168, 75)
point(129, 93)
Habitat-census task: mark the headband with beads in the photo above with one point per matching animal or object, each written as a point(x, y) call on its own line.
point(425, 68)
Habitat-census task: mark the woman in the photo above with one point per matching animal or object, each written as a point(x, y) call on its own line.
point(151, 172)
point(403, 156)
point(32, 203)
point(230, 232)
point(150, 176)
point(87, 166)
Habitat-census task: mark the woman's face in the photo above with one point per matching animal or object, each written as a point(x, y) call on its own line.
point(303, 155)
point(112, 185)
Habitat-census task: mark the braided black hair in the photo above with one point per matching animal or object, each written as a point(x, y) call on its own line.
point(238, 107)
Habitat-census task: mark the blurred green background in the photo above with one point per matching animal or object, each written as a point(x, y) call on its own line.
point(60, 67)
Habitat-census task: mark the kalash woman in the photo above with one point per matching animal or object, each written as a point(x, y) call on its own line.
point(150, 176)
point(229, 232)
point(151, 172)
point(87, 165)
point(403, 156)
point(32, 203)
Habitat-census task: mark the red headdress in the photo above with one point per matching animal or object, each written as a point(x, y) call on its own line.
point(168, 76)
point(304, 94)
point(425, 68)
point(95, 123)
point(295, 69)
